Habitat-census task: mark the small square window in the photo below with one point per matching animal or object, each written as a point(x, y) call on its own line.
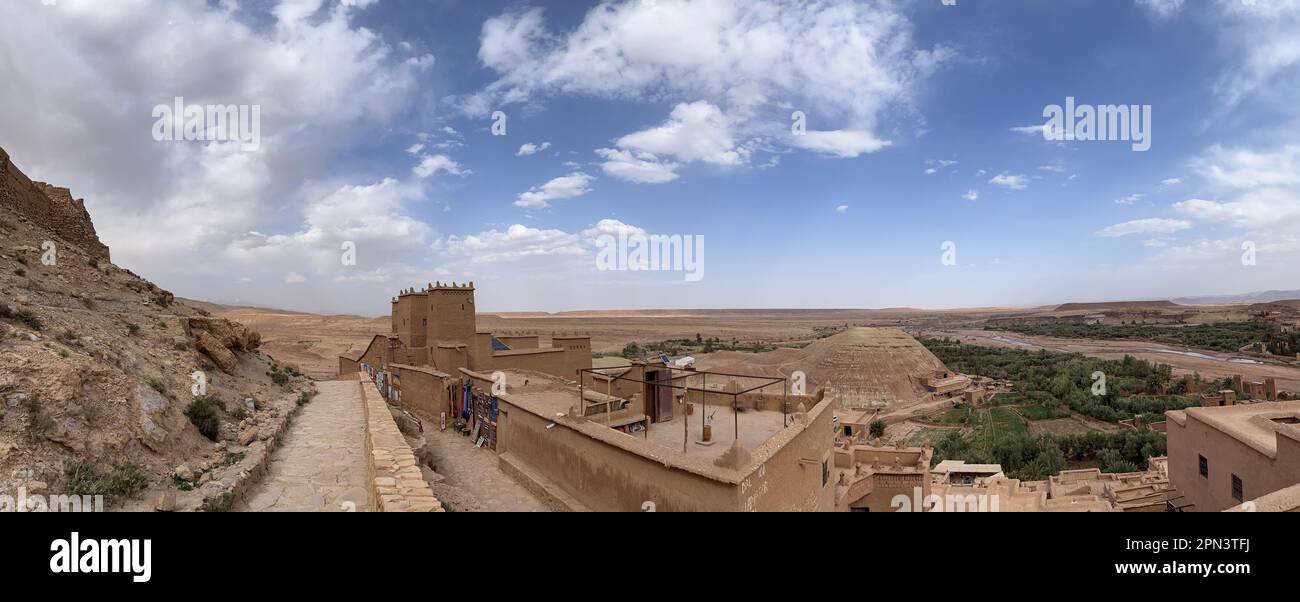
point(1237, 493)
point(1205, 467)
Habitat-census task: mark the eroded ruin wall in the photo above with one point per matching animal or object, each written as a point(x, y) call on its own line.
point(49, 207)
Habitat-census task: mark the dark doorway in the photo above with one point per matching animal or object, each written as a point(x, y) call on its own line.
point(659, 398)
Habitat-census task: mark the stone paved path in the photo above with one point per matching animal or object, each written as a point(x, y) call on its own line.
point(321, 464)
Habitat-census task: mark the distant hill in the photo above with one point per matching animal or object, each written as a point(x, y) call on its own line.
point(1117, 305)
point(1255, 297)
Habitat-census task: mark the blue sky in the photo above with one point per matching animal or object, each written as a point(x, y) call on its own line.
point(673, 117)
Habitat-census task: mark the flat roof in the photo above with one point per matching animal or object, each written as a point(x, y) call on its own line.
point(529, 351)
point(424, 369)
point(762, 432)
point(1254, 424)
point(959, 466)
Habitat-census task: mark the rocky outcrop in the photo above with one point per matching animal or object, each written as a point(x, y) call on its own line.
point(217, 352)
point(219, 338)
point(49, 207)
point(232, 335)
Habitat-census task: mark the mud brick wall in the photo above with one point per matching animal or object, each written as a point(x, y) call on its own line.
point(396, 483)
point(49, 207)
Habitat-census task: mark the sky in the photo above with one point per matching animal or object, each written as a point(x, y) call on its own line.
point(829, 154)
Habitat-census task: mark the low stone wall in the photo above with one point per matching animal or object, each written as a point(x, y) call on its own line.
point(239, 478)
point(396, 484)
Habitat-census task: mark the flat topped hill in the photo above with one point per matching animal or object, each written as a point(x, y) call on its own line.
point(872, 367)
point(868, 368)
point(1118, 305)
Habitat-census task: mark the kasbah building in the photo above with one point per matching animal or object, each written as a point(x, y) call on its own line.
point(656, 436)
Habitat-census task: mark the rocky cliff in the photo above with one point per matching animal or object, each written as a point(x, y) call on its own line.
point(49, 207)
point(98, 371)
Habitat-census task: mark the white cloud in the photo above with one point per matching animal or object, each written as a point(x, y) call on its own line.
point(842, 62)
point(320, 79)
point(1145, 226)
point(528, 148)
point(971, 195)
point(564, 187)
point(641, 167)
point(937, 165)
point(371, 217)
point(1260, 39)
point(695, 131)
point(517, 242)
point(1162, 9)
point(1130, 199)
point(844, 144)
point(842, 209)
point(1051, 168)
point(1171, 181)
point(1029, 130)
point(611, 227)
point(1012, 181)
point(1242, 168)
point(294, 278)
point(1259, 189)
point(433, 164)
point(1256, 210)
point(415, 149)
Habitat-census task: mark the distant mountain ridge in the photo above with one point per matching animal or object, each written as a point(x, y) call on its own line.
point(1255, 297)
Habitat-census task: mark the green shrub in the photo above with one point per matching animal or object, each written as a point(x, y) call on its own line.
point(132, 328)
point(304, 398)
point(221, 503)
point(158, 386)
point(81, 478)
point(877, 428)
point(279, 378)
point(124, 480)
point(38, 422)
point(204, 413)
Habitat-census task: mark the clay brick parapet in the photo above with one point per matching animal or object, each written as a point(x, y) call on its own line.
point(396, 483)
